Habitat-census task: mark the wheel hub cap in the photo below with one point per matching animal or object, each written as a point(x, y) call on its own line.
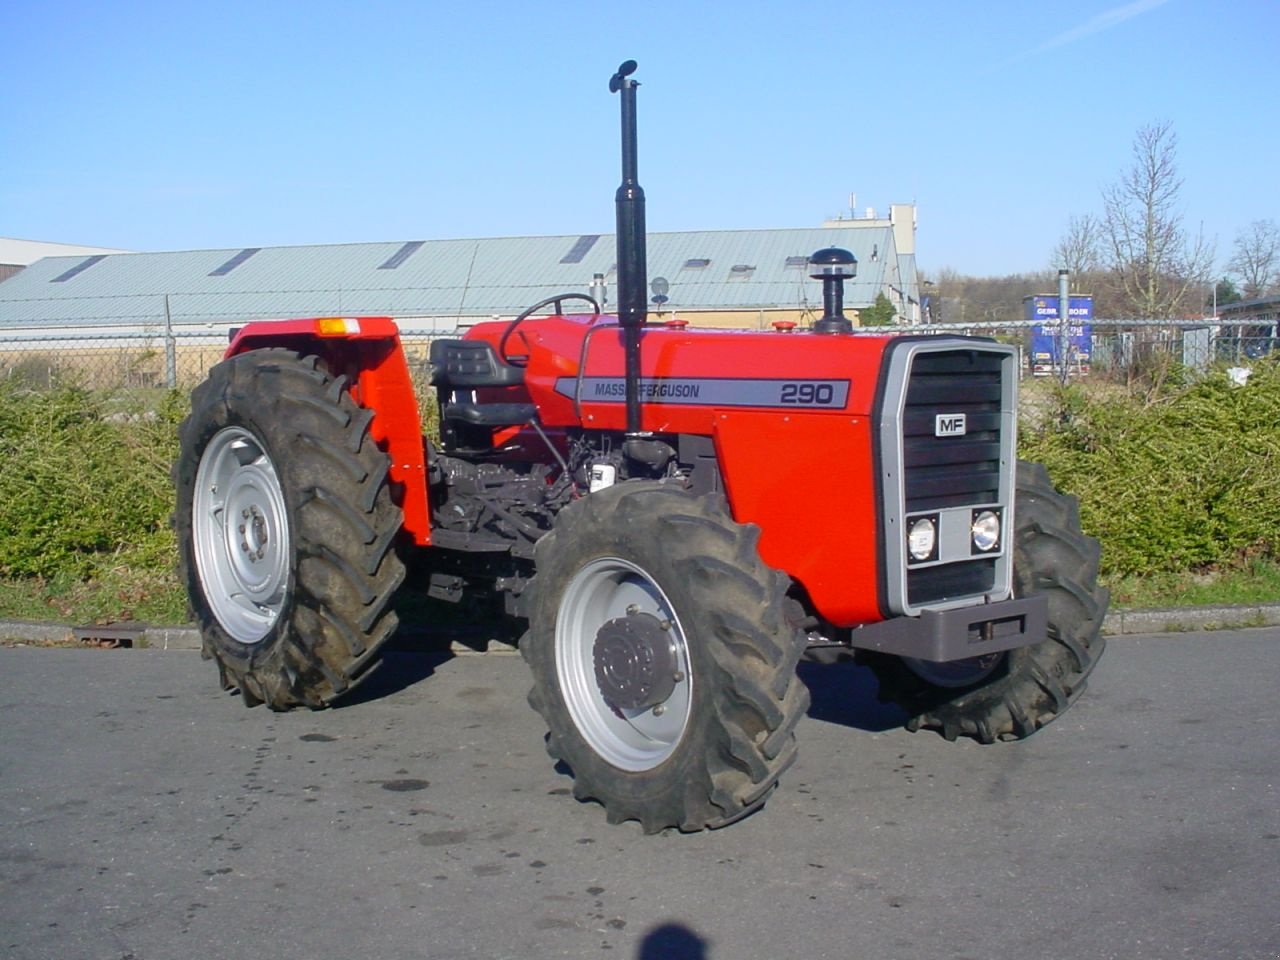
point(622, 661)
point(635, 661)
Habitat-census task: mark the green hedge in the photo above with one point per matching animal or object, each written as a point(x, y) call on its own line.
point(1185, 479)
point(84, 480)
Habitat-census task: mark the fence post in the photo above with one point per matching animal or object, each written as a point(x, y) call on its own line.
point(170, 349)
point(1064, 320)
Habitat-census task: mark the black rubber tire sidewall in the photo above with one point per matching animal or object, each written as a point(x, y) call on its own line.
point(343, 567)
point(721, 769)
point(1034, 685)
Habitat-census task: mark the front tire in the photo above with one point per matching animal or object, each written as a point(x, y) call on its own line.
point(662, 661)
point(1011, 696)
point(286, 529)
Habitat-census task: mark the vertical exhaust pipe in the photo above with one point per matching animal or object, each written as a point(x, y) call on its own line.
point(632, 279)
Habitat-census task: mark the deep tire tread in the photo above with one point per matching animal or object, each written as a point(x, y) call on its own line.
point(742, 737)
point(1038, 683)
point(343, 518)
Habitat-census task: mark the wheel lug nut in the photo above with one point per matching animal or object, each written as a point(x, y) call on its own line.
point(633, 609)
point(665, 625)
point(659, 710)
point(678, 676)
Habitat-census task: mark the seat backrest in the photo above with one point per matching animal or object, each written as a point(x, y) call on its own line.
point(469, 364)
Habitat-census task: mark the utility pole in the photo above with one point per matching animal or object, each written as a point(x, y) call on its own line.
point(1064, 323)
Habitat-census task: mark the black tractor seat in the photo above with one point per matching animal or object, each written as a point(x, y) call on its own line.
point(459, 368)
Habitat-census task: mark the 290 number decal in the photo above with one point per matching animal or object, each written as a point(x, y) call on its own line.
point(808, 394)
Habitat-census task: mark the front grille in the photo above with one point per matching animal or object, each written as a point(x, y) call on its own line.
point(952, 471)
point(946, 448)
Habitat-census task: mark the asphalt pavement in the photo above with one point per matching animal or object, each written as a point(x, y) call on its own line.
point(148, 815)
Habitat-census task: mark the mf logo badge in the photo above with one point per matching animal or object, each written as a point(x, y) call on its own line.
point(949, 425)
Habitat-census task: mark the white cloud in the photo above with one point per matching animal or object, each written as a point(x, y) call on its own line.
point(1103, 21)
point(1094, 25)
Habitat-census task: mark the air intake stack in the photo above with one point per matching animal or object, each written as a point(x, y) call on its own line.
point(833, 267)
point(632, 270)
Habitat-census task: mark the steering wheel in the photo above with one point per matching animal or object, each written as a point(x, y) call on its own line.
point(525, 314)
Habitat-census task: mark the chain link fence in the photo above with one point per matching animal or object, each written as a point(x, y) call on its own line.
point(132, 362)
point(139, 361)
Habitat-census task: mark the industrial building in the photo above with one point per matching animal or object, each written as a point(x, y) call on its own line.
point(725, 278)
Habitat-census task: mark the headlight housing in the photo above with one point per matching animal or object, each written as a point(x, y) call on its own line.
point(922, 539)
point(985, 531)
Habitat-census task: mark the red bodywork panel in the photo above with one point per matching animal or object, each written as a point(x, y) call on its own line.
point(789, 414)
point(368, 351)
point(803, 473)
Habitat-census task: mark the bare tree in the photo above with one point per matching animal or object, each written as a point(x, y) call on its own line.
point(1256, 260)
point(1080, 249)
point(1157, 267)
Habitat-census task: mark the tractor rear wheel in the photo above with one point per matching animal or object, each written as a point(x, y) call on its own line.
point(1010, 696)
point(662, 661)
point(286, 529)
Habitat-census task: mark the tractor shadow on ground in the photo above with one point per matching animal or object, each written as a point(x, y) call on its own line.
point(845, 694)
point(398, 670)
point(842, 693)
point(429, 633)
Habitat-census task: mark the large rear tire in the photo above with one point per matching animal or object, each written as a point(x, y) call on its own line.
point(662, 661)
point(1011, 696)
point(286, 529)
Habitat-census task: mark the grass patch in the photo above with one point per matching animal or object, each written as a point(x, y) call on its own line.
point(117, 592)
point(1257, 582)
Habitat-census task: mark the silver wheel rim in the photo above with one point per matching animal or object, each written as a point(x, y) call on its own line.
point(241, 535)
point(604, 590)
point(955, 673)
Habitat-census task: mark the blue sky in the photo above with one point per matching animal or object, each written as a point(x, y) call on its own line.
point(171, 126)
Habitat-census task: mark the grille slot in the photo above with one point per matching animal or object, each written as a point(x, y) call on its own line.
point(936, 584)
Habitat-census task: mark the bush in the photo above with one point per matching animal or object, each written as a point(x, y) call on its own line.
point(1175, 478)
point(84, 482)
point(1179, 478)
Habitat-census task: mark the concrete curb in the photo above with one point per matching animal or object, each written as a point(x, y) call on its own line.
point(1183, 619)
point(1117, 623)
point(143, 636)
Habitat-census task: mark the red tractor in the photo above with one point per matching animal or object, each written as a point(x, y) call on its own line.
point(679, 515)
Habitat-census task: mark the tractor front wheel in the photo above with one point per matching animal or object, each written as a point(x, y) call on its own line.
point(286, 529)
point(1010, 696)
point(662, 661)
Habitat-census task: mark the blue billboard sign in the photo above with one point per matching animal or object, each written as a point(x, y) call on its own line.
point(1047, 335)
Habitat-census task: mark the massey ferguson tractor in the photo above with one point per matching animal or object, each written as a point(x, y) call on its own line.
point(678, 515)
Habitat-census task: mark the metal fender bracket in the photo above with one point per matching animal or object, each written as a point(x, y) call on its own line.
point(943, 635)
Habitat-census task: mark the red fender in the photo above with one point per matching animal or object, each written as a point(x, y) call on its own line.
point(368, 351)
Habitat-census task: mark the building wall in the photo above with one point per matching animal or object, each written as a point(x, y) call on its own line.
point(746, 319)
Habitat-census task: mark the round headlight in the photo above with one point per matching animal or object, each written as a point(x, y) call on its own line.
point(986, 530)
point(921, 539)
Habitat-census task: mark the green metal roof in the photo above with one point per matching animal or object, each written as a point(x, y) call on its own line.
point(445, 280)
